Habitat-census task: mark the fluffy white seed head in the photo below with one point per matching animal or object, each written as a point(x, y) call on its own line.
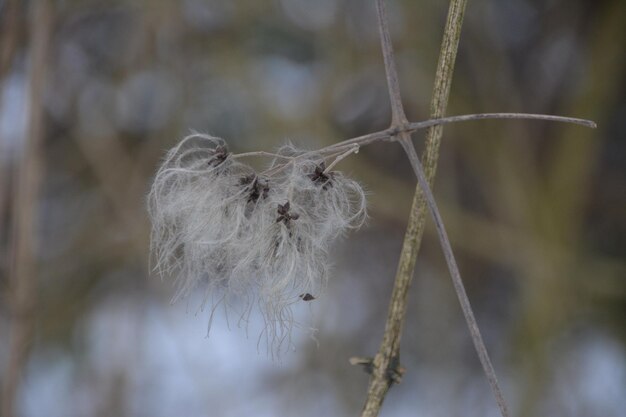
point(249, 238)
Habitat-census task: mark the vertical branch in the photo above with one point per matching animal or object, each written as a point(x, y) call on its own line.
point(423, 195)
point(439, 102)
point(385, 366)
point(23, 271)
point(398, 118)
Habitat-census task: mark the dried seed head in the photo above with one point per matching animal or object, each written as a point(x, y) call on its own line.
point(249, 238)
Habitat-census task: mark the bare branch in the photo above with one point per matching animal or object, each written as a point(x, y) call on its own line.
point(390, 133)
point(456, 279)
point(386, 362)
point(398, 118)
point(262, 153)
point(354, 149)
point(481, 116)
point(385, 367)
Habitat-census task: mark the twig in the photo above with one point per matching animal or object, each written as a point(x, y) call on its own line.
point(482, 116)
point(262, 153)
point(398, 118)
point(386, 361)
point(354, 149)
point(390, 345)
point(456, 280)
point(23, 270)
point(392, 132)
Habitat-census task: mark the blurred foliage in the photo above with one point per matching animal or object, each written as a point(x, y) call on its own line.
point(534, 210)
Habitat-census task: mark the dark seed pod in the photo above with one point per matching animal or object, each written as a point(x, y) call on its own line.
point(219, 155)
point(306, 297)
point(284, 215)
point(320, 177)
point(258, 188)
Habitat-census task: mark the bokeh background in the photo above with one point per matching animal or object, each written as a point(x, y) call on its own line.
point(92, 93)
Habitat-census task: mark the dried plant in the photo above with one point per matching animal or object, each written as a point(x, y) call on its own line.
point(263, 237)
point(250, 236)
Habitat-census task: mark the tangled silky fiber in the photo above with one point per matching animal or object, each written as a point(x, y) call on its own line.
point(249, 238)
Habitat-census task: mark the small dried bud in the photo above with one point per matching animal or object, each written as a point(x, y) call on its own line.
point(320, 177)
point(218, 155)
point(306, 297)
point(284, 215)
point(248, 179)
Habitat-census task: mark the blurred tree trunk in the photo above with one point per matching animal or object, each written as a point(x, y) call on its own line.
point(23, 281)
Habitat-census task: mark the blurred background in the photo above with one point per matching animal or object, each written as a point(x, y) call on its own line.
point(93, 92)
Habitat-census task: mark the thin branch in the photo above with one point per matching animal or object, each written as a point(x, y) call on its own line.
point(385, 367)
point(456, 279)
point(387, 359)
point(412, 127)
point(398, 118)
point(363, 140)
point(390, 133)
point(262, 153)
point(354, 149)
